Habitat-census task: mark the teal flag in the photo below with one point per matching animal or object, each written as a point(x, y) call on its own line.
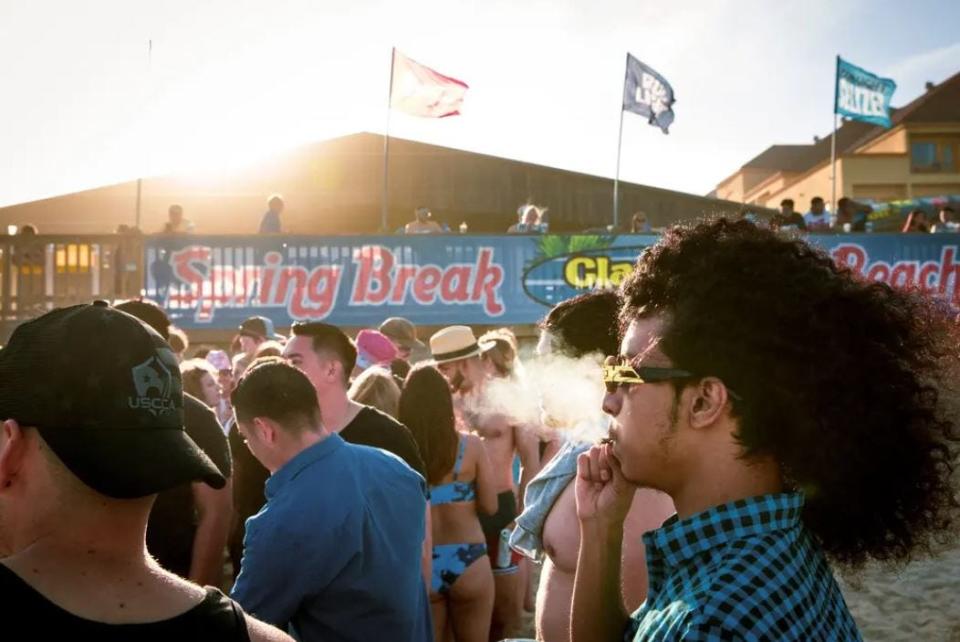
point(861, 95)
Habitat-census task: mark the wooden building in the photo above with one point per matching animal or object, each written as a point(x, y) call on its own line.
point(335, 187)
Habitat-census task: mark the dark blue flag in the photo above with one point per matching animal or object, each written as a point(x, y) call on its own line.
point(647, 93)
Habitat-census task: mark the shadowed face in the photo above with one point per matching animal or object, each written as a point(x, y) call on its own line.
point(644, 416)
point(463, 375)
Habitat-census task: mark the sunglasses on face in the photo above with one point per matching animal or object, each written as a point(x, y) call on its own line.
point(618, 371)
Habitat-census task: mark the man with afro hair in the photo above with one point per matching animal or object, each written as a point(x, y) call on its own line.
point(794, 412)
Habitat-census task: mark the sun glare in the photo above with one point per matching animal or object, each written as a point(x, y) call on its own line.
point(232, 114)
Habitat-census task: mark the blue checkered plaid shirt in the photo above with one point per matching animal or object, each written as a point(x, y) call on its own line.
point(747, 570)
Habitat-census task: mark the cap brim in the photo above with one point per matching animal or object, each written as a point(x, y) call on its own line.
point(404, 342)
point(128, 463)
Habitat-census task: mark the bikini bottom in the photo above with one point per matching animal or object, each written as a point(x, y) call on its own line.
point(450, 561)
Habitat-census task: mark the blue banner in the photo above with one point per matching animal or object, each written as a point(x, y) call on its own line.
point(647, 93)
point(861, 95)
point(217, 281)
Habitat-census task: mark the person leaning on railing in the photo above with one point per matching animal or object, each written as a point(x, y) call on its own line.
point(916, 223)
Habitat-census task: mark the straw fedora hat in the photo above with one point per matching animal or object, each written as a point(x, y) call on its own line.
point(456, 342)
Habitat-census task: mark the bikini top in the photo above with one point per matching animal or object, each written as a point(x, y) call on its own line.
point(455, 491)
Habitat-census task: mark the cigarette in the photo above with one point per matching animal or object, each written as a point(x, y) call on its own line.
point(606, 440)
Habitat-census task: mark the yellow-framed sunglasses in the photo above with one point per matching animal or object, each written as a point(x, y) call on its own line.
point(617, 371)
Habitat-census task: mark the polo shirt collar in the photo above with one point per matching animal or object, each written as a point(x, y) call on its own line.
point(300, 461)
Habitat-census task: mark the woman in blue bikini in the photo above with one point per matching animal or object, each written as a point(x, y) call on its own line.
point(461, 482)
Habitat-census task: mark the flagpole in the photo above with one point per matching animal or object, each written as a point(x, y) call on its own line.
point(616, 178)
point(386, 148)
point(149, 79)
point(833, 170)
point(833, 145)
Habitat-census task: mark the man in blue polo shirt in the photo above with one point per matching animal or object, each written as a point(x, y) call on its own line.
point(335, 552)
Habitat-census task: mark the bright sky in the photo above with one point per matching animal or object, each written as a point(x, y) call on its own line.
point(232, 81)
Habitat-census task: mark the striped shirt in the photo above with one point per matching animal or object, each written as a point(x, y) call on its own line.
point(747, 570)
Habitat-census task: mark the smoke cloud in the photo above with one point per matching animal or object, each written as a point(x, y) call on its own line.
point(555, 392)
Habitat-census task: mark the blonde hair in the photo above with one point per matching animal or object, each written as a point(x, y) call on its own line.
point(269, 349)
point(375, 387)
point(503, 354)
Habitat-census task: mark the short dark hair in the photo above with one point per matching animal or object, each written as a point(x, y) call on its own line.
point(786, 201)
point(947, 208)
point(816, 199)
point(843, 202)
point(862, 422)
point(273, 388)
point(178, 339)
point(331, 339)
point(400, 368)
point(585, 324)
point(150, 313)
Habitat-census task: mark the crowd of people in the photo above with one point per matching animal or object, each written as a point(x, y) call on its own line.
point(531, 219)
point(853, 216)
point(746, 437)
point(850, 216)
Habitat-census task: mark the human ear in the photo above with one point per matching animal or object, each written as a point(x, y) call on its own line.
point(12, 449)
point(264, 429)
point(709, 403)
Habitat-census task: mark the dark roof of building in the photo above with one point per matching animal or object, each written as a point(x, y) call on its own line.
point(787, 158)
point(336, 186)
point(800, 158)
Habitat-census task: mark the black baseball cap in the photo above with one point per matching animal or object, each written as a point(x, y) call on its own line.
point(104, 391)
point(259, 328)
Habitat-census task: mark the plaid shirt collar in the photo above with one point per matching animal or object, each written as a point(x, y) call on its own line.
point(678, 540)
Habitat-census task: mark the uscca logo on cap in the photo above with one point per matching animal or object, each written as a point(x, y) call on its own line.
point(154, 384)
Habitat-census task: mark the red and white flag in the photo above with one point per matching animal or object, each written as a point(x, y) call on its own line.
point(420, 91)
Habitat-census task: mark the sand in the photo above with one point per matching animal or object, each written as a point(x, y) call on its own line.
point(921, 602)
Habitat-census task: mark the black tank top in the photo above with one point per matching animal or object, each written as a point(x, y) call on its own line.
point(217, 618)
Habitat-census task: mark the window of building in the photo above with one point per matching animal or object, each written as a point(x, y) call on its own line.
point(934, 155)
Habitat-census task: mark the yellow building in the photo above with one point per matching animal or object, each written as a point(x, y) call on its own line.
point(919, 156)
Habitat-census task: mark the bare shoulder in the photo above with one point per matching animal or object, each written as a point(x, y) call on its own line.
point(472, 441)
point(650, 508)
point(526, 433)
point(472, 447)
point(263, 632)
